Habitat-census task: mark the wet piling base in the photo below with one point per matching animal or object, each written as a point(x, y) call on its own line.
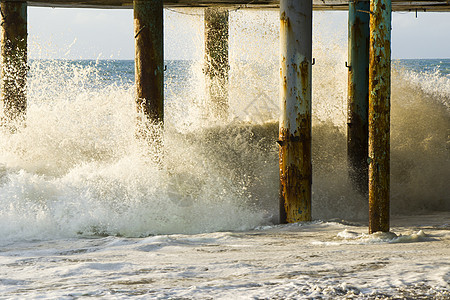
point(295, 102)
point(379, 115)
point(216, 62)
point(14, 63)
point(358, 94)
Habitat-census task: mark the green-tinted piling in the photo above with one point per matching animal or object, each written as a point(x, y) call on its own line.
point(295, 103)
point(149, 60)
point(216, 61)
point(14, 62)
point(358, 93)
point(379, 114)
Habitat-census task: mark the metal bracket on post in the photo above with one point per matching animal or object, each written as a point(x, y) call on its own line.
point(348, 66)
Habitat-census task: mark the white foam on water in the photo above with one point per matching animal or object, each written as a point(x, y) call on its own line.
point(278, 261)
point(382, 237)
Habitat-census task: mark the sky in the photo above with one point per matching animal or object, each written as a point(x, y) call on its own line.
point(108, 34)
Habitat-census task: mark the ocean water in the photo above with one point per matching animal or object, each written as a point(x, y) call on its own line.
point(86, 210)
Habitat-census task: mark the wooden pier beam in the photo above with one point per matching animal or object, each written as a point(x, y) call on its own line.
point(149, 60)
point(216, 61)
point(358, 93)
point(379, 114)
point(295, 102)
point(14, 62)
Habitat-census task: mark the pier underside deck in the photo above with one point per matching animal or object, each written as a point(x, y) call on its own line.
point(397, 5)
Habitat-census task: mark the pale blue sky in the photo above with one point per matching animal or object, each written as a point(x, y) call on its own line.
point(95, 33)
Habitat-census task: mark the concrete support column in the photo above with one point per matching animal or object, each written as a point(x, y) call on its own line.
point(14, 62)
point(149, 60)
point(216, 61)
point(358, 93)
point(295, 102)
point(379, 114)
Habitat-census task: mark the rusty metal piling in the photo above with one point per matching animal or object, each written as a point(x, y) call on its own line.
point(149, 60)
point(358, 93)
point(379, 114)
point(216, 61)
point(295, 103)
point(14, 62)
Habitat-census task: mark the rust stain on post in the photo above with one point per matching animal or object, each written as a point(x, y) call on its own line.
point(149, 60)
point(295, 174)
point(216, 61)
point(14, 62)
point(295, 103)
point(379, 115)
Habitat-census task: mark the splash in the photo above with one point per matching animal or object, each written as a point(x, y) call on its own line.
point(77, 167)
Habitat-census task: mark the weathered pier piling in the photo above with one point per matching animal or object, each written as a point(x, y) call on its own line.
point(216, 62)
point(379, 114)
point(358, 93)
point(149, 60)
point(295, 101)
point(14, 62)
point(368, 93)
